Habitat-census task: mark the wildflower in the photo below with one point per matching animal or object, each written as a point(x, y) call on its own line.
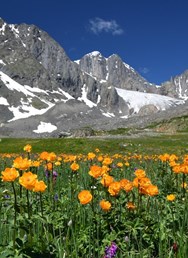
point(130, 206)
point(51, 157)
point(151, 190)
point(106, 180)
point(44, 155)
point(85, 197)
point(171, 197)
point(27, 148)
point(39, 186)
point(107, 161)
point(22, 164)
point(74, 166)
point(111, 250)
point(9, 174)
point(126, 185)
point(95, 171)
point(28, 180)
point(140, 173)
point(105, 205)
point(114, 188)
point(119, 164)
point(56, 197)
point(91, 156)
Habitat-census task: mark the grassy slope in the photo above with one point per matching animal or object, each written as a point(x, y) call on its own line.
point(176, 143)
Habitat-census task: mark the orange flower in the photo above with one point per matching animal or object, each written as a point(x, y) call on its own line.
point(91, 156)
point(27, 148)
point(140, 173)
point(28, 180)
point(40, 186)
point(130, 206)
point(74, 166)
point(100, 158)
point(151, 190)
point(95, 171)
point(51, 157)
point(171, 197)
point(114, 188)
point(106, 180)
point(105, 205)
point(141, 182)
point(107, 161)
point(35, 163)
point(49, 166)
point(44, 155)
point(85, 197)
point(126, 185)
point(22, 164)
point(9, 174)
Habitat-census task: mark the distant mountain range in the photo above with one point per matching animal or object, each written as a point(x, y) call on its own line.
point(43, 93)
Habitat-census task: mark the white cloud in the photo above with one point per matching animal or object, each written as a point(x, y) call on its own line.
point(98, 25)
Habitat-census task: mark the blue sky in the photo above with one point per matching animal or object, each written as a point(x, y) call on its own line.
point(149, 35)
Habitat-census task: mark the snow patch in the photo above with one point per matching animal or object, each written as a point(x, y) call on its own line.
point(136, 100)
point(45, 128)
point(3, 101)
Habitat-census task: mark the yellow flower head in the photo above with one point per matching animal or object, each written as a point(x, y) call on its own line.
point(74, 166)
point(105, 205)
point(114, 188)
point(85, 197)
point(22, 164)
point(40, 186)
point(106, 180)
point(9, 174)
point(27, 148)
point(171, 197)
point(28, 180)
point(130, 206)
point(140, 173)
point(95, 171)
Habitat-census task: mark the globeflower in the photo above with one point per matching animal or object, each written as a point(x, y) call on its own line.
point(27, 148)
point(9, 175)
point(171, 197)
point(74, 166)
point(28, 180)
point(22, 164)
point(85, 197)
point(95, 171)
point(39, 186)
point(105, 205)
point(106, 180)
point(114, 188)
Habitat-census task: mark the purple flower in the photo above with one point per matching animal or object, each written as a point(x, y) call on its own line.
point(56, 197)
point(111, 250)
point(55, 174)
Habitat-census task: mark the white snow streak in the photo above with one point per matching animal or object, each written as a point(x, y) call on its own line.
point(85, 99)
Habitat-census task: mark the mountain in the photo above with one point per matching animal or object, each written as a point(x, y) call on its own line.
point(43, 92)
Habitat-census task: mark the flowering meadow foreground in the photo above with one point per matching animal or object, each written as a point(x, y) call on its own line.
point(94, 205)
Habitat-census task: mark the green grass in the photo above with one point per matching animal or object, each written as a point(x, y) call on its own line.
point(177, 143)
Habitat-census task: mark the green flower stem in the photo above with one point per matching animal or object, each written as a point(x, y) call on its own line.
point(15, 215)
point(41, 205)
